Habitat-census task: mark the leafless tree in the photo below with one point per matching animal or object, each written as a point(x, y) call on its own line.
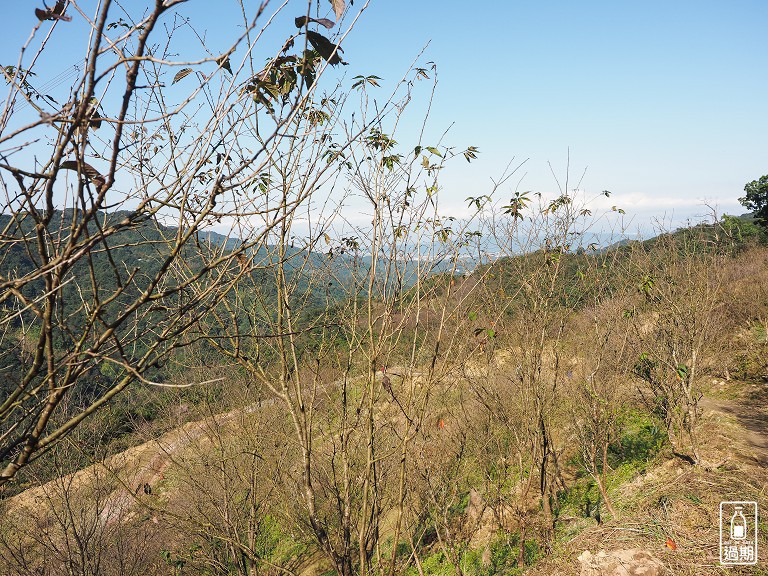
point(148, 153)
point(527, 305)
point(355, 370)
point(67, 526)
point(679, 278)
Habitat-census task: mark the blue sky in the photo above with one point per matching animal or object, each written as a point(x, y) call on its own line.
point(664, 103)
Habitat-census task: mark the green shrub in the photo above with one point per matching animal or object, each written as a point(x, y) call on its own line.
point(642, 438)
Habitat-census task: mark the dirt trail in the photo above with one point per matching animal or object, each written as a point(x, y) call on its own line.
point(148, 474)
point(138, 469)
point(752, 415)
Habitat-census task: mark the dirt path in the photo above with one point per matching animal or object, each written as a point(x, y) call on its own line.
point(147, 475)
point(119, 504)
point(752, 415)
point(136, 471)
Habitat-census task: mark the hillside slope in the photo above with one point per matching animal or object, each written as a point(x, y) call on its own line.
point(146, 486)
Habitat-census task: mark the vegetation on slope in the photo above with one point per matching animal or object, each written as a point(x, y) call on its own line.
point(515, 454)
point(330, 404)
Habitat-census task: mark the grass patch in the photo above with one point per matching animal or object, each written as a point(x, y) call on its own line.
point(501, 557)
point(642, 438)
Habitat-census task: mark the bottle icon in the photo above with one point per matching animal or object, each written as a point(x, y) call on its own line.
point(738, 525)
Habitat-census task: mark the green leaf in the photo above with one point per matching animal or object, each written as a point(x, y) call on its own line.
point(443, 234)
point(516, 204)
point(478, 202)
point(309, 79)
point(363, 80)
point(434, 151)
point(315, 117)
point(183, 73)
point(224, 63)
point(390, 161)
point(263, 182)
point(86, 169)
point(327, 49)
point(302, 21)
point(287, 81)
point(471, 153)
point(380, 141)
